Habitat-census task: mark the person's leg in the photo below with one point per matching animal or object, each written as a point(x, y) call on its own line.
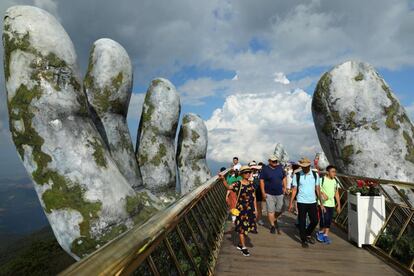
point(271, 208)
point(278, 210)
point(328, 220)
point(259, 213)
point(313, 217)
point(320, 233)
point(242, 240)
point(302, 221)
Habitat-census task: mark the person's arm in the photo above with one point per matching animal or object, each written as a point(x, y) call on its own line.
point(338, 201)
point(294, 192)
point(255, 204)
point(224, 181)
point(262, 183)
point(284, 182)
point(262, 188)
point(319, 194)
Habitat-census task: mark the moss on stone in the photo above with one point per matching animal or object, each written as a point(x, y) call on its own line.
point(148, 109)
point(374, 126)
point(140, 207)
point(157, 159)
point(156, 82)
point(321, 93)
point(186, 120)
point(410, 147)
point(124, 142)
point(65, 194)
point(197, 181)
point(359, 151)
point(350, 120)
point(195, 167)
point(347, 152)
point(117, 81)
point(99, 152)
point(12, 43)
point(359, 77)
point(194, 136)
point(391, 111)
point(85, 245)
point(335, 116)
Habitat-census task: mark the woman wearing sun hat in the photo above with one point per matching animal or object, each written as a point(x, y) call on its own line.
point(246, 205)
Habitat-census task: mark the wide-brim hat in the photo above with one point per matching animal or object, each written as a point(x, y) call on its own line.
point(244, 169)
point(273, 158)
point(304, 162)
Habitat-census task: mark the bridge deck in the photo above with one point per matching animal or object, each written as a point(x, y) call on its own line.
point(283, 255)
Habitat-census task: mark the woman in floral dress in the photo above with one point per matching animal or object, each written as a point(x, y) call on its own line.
point(246, 204)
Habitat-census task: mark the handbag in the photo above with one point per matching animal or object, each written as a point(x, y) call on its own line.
point(235, 211)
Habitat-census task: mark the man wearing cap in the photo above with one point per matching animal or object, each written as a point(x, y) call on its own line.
point(306, 185)
point(273, 186)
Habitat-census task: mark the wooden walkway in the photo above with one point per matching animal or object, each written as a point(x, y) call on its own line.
point(283, 255)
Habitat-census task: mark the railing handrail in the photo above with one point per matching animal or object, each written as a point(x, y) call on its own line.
point(380, 180)
point(112, 258)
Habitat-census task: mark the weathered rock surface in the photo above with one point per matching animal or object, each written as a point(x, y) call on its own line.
point(322, 161)
point(85, 197)
point(281, 153)
point(191, 153)
point(361, 125)
point(156, 135)
point(108, 86)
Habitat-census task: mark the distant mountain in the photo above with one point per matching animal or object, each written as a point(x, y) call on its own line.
point(20, 210)
point(36, 254)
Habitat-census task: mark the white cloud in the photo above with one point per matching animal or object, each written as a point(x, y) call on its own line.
point(250, 125)
point(280, 77)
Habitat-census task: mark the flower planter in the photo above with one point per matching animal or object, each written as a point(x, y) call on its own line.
point(366, 216)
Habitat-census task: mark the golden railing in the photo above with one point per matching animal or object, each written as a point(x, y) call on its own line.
point(395, 242)
point(183, 239)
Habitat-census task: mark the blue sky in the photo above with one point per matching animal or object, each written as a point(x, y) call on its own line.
point(224, 55)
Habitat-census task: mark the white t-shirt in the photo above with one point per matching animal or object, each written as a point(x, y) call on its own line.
point(237, 166)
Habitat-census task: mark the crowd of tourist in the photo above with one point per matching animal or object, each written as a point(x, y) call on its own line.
point(295, 187)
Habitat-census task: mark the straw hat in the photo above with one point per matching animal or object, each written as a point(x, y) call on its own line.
point(253, 163)
point(304, 162)
point(273, 157)
point(244, 169)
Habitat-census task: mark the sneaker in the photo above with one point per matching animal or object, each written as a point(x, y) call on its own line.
point(326, 240)
point(239, 247)
point(272, 230)
point(245, 252)
point(260, 222)
point(305, 244)
point(320, 237)
point(310, 240)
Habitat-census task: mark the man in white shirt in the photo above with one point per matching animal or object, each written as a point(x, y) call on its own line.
point(236, 164)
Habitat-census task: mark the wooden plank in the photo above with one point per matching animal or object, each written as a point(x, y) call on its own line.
point(283, 255)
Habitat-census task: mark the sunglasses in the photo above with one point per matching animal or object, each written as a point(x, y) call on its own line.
point(247, 172)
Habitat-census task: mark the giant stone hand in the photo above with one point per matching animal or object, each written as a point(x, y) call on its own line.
point(87, 190)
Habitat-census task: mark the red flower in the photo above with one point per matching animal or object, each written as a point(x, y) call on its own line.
point(360, 183)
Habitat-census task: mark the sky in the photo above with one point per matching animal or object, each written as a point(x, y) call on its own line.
point(248, 68)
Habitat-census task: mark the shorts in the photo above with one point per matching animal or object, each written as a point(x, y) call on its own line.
point(325, 218)
point(274, 203)
point(259, 196)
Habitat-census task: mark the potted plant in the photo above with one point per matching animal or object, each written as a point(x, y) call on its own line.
point(366, 212)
